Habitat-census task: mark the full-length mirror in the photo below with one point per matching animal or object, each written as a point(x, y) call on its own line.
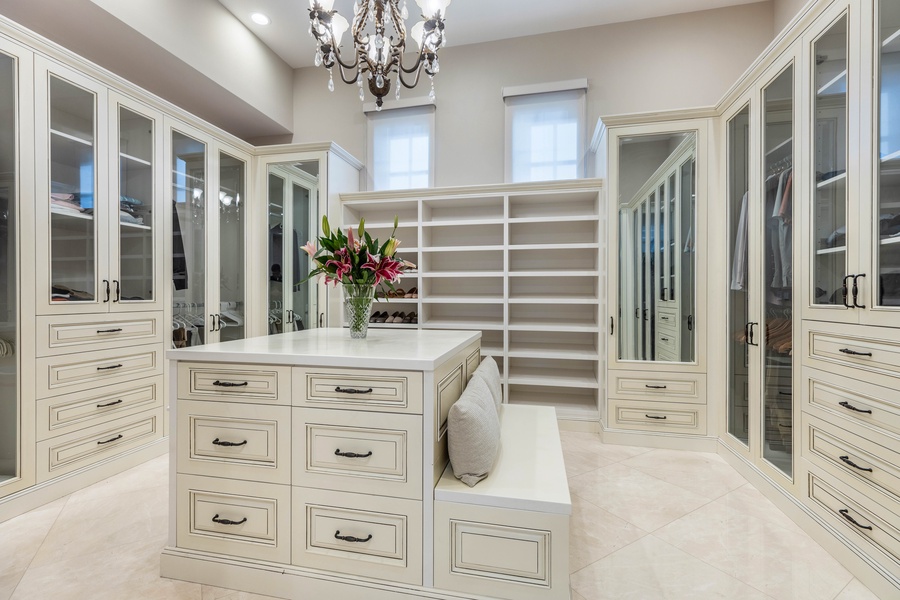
point(657, 239)
point(293, 220)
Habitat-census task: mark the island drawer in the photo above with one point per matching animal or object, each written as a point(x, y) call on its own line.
point(358, 534)
point(238, 518)
point(358, 389)
point(372, 453)
point(264, 384)
point(235, 440)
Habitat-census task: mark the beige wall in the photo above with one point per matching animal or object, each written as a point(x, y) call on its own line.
point(784, 11)
point(681, 61)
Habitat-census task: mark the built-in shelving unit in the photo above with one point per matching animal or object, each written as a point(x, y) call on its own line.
point(521, 263)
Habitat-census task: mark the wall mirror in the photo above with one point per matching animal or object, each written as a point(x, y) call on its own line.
point(293, 219)
point(657, 191)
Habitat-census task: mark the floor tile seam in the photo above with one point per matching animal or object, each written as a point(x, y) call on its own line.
point(611, 554)
point(639, 469)
point(105, 548)
point(43, 541)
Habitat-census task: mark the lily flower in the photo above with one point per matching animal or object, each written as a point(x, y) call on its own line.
point(391, 247)
point(310, 249)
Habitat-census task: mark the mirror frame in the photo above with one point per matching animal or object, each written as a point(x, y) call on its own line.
point(702, 129)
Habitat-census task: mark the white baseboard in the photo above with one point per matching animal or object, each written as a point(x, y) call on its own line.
point(668, 441)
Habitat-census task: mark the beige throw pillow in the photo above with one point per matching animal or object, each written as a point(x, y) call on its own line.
point(473, 431)
point(489, 371)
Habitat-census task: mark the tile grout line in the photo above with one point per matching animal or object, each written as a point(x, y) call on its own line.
point(36, 552)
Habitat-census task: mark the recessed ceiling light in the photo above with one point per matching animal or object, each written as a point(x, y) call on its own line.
point(260, 19)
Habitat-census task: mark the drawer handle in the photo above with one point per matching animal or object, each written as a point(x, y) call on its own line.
point(110, 330)
point(846, 514)
point(653, 417)
point(230, 383)
point(665, 339)
point(108, 404)
point(228, 444)
point(350, 538)
point(216, 519)
point(654, 387)
point(118, 437)
point(849, 406)
point(847, 460)
point(109, 368)
point(341, 390)
point(786, 425)
point(352, 454)
point(785, 393)
point(854, 352)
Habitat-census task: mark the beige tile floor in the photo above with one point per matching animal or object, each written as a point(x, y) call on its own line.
point(646, 525)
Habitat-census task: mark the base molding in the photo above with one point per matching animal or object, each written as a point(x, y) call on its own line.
point(667, 441)
point(580, 426)
point(287, 581)
point(877, 579)
point(43, 493)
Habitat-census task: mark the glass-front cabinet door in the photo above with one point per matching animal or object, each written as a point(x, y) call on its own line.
point(232, 223)
point(71, 251)
point(884, 236)
point(135, 254)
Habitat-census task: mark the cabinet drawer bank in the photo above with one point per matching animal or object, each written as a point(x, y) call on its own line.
point(323, 494)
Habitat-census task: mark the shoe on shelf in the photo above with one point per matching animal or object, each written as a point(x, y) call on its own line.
point(374, 317)
point(413, 293)
point(393, 317)
point(397, 293)
point(399, 318)
point(415, 317)
point(408, 318)
point(383, 317)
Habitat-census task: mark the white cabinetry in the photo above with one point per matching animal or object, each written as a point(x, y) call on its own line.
point(520, 263)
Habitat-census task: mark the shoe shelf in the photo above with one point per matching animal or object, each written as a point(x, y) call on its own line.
point(519, 262)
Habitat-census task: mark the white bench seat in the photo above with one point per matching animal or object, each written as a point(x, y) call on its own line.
point(508, 537)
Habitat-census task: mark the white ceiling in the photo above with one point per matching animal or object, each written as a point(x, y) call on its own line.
point(468, 21)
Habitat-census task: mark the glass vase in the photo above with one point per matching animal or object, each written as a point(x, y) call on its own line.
point(358, 308)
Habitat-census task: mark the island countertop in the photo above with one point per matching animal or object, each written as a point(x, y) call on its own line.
point(332, 347)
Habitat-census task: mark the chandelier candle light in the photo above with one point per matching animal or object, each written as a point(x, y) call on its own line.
point(378, 56)
point(360, 264)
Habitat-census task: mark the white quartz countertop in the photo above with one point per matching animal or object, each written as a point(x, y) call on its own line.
point(332, 347)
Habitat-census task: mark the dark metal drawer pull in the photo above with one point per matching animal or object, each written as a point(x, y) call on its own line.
point(350, 538)
point(228, 444)
point(846, 514)
point(854, 352)
point(654, 387)
point(665, 339)
point(341, 390)
point(110, 330)
point(653, 417)
point(849, 406)
point(118, 437)
point(230, 383)
point(113, 403)
point(352, 454)
point(108, 368)
point(785, 393)
point(216, 519)
point(847, 460)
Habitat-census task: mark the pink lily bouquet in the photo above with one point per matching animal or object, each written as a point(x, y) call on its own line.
point(357, 260)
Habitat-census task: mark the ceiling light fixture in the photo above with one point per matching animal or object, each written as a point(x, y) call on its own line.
point(376, 55)
point(260, 19)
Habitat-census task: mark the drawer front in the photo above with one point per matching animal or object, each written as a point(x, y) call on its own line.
point(853, 458)
point(263, 384)
point(67, 453)
point(871, 349)
point(78, 333)
point(359, 535)
point(449, 389)
point(238, 518)
point(664, 387)
point(667, 319)
point(76, 372)
point(372, 453)
point(667, 342)
point(355, 389)
point(858, 518)
point(857, 402)
point(472, 362)
point(73, 412)
point(239, 441)
point(658, 416)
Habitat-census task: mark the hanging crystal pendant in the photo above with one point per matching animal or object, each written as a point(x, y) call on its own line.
point(431, 94)
point(404, 13)
point(330, 81)
point(356, 8)
point(319, 57)
point(379, 81)
point(397, 94)
point(435, 65)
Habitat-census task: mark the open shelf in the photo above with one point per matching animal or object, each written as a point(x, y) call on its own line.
point(135, 226)
point(135, 159)
point(462, 274)
point(549, 246)
point(836, 86)
point(781, 148)
point(540, 233)
point(462, 223)
point(463, 210)
point(889, 240)
point(555, 274)
point(571, 403)
point(832, 181)
point(526, 371)
point(460, 323)
point(834, 250)
point(463, 300)
point(554, 205)
point(554, 300)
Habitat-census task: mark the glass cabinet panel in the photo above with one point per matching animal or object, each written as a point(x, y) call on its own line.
point(777, 219)
point(887, 226)
point(232, 220)
point(188, 241)
point(738, 166)
point(73, 174)
point(135, 207)
point(830, 236)
point(9, 288)
point(277, 201)
point(684, 275)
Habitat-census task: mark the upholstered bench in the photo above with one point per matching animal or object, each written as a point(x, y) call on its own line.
point(508, 536)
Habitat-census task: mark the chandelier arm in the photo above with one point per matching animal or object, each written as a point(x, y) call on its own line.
point(341, 71)
point(415, 82)
point(342, 64)
point(415, 67)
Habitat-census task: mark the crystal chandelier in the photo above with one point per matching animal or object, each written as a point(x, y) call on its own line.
point(378, 56)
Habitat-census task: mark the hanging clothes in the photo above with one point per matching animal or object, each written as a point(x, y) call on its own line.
point(739, 261)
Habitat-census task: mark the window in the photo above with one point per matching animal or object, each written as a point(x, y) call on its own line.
point(401, 148)
point(545, 133)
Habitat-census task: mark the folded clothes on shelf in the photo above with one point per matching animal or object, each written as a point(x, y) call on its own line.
point(126, 217)
point(64, 292)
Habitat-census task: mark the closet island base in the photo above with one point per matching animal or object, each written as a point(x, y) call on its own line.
point(304, 465)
